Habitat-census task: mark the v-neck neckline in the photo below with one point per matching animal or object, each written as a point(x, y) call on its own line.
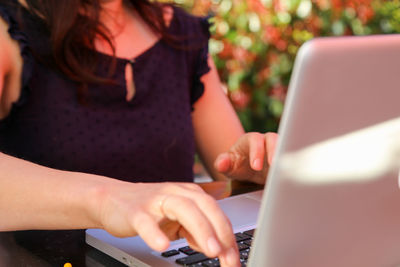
point(145, 51)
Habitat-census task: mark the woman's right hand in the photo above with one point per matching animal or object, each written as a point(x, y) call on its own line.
point(162, 212)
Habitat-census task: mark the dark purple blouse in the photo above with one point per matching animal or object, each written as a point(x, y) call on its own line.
point(148, 139)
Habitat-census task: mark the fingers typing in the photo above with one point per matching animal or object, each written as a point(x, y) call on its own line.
point(256, 151)
point(163, 212)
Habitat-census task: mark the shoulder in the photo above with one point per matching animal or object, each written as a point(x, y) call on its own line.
point(7, 11)
point(184, 23)
point(183, 15)
point(15, 58)
point(12, 37)
point(11, 64)
point(168, 13)
point(5, 43)
point(9, 37)
point(9, 14)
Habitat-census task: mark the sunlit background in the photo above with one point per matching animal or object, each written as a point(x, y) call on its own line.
point(254, 43)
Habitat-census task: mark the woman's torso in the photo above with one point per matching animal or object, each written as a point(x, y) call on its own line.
point(149, 138)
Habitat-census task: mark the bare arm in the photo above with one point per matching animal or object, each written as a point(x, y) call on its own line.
point(222, 144)
point(35, 197)
point(216, 124)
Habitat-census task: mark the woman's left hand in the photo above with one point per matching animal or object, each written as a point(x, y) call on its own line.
point(249, 158)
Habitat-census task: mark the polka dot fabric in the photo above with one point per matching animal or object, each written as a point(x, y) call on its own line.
point(148, 139)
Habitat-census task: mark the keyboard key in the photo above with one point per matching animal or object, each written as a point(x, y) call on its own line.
point(242, 246)
point(192, 259)
point(244, 254)
point(248, 242)
point(249, 232)
point(195, 259)
point(188, 250)
point(211, 263)
point(170, 253)
point(241, 237)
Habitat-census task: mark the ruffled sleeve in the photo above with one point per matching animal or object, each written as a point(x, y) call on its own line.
point(15, 32)
point(201, 65)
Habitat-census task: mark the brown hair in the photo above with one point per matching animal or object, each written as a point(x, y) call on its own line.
point(73, 26)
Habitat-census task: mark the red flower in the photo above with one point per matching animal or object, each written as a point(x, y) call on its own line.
point(257, 6)
point(240, 99)
point(281, 45)
point(365, 13)
point(278, 92)
point(227, 51)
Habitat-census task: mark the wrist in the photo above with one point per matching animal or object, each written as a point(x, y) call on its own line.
point(93, 202)
point(97, 199)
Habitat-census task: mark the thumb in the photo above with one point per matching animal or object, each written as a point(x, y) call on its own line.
point(223, 163)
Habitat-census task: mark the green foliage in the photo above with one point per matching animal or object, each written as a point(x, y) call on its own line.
point(255, 42)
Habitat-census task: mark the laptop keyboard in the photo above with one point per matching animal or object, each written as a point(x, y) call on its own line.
point(193, 258)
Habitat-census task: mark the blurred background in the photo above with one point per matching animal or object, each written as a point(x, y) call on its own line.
point(254, 44)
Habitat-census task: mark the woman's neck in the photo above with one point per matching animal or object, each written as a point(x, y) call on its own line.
point(130, 34)
point(114, 15)
point(113, 6)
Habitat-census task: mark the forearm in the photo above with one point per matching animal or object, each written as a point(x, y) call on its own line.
point(215, 122)
point(36, 197)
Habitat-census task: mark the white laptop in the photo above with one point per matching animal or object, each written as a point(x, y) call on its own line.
point(332, 196)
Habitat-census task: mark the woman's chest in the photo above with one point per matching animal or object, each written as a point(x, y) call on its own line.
point(54, 128)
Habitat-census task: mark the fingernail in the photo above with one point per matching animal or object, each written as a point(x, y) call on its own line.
point(217, 160)
point(232, 257)
point(257, 164)
point(161, 243)
point(213, 246)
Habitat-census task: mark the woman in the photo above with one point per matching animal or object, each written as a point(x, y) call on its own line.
point(93, 89)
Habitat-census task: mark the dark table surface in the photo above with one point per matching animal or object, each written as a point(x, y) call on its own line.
point(50, 248)
point(55, 248)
